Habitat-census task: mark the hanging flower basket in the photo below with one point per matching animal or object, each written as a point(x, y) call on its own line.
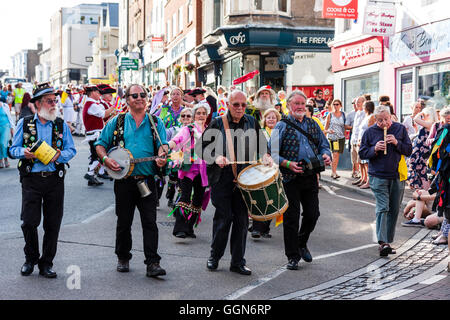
point(189, 67)
point(176, 70)
point(159, 70)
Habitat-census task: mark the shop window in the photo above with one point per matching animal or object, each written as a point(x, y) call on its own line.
point(217, 14)
point(251, 63)
point(406, 94)
point(355, 87)
point(434, 84)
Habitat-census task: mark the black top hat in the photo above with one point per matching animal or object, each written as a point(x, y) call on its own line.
point(88, 89)
point(42, 89)
point(197, 91)
point(105, 88)
point(188, 91)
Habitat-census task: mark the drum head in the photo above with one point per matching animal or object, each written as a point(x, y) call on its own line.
point(123, 158)
point(257, 175)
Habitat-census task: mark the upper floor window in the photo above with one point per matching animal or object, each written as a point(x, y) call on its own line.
point(258, 6)
point(190, 11)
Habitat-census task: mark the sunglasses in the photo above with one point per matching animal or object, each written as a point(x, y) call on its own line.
point(336, 104)
point(51, 101)
point(137, 95)
point(242, 105)
point(186, 116)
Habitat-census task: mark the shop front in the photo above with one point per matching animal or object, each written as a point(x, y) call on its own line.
point(238, 50)
point(358, 69)
point(420, 58)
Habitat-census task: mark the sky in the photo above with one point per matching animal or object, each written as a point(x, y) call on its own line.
point(24, 22)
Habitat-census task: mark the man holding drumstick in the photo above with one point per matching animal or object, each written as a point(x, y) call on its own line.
point(222, 158)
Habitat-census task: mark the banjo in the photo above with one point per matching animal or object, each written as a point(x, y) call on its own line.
point(125, 160)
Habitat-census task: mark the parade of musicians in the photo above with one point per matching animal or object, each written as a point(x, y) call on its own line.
point(279, 170)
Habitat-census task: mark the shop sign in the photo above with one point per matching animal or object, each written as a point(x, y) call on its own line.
point(276, 38)
point(157, 45)
point(379, 20)
point(420, 42)
point(357, 54)
point(345, 9)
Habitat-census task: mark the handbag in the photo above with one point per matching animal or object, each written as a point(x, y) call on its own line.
point(402, 169)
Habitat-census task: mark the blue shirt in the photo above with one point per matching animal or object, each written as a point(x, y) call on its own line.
point(44, 132)
point(139, 141)
point(305, 150)
point(385, 166)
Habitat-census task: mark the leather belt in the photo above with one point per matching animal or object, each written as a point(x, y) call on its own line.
point(43, 174)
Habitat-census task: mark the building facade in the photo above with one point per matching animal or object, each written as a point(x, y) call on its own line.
point(43, 68)
point(25, 62)
point(72, 34)
point(277, 38)
point(413, 63)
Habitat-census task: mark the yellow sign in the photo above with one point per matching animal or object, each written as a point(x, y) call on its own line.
point(43, 151)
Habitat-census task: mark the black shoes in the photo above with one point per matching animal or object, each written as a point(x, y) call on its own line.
point(212, 263)
point(181, 235)
point(266, 235)
point(241, 270)
point(292, 264)
point(171, 203)
point(154, 270)
point(27, 269)
point(105, 176)
point(47, 272)
point(92, 180)
point(123, 266)
point(305, 254)
point(256, 234)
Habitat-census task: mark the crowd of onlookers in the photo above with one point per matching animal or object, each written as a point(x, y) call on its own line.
point(338, 126)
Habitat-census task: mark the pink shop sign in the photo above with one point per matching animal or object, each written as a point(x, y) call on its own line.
point(379, 20)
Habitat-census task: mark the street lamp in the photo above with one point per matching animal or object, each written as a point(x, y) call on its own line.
point(140, 44)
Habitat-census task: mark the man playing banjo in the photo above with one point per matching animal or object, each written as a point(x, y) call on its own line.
point(135, 131)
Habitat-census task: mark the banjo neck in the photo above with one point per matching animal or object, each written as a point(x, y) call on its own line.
point(147, 159)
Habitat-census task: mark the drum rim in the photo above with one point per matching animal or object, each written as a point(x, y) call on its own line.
point(260, 185)
point(131, 169)
point(272, 215)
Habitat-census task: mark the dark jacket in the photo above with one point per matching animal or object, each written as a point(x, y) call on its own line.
point(381, 165)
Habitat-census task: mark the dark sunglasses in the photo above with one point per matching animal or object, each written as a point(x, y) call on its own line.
point(237, 105)
point(136, 95)
point(186, 116)
point(336, 104)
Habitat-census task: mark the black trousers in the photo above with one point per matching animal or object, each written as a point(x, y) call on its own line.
point(302, 190)
point(261, 226)
point(46, 195)
point(94, 156)
point(172, 185)
point(186, 185)
point(231, 214)
point(128, 198)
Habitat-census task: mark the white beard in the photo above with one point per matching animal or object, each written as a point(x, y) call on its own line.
point(47, 115)
point(263, 104)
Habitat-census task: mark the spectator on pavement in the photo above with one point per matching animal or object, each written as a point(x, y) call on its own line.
point(27, 108)
point(6, 132)
point(367, 122)
point(417, 163)
point(383, 170)
point(411, 126)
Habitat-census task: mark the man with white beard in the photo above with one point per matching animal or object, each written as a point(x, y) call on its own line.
point(265, 99)
point(42, 184)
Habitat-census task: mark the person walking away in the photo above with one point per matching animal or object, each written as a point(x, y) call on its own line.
point(18, 94)
point(383, 149)
point(6, 132)
point(42, 184)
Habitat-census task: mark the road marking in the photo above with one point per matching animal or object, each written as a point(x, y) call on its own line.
point(395, 294)
point(328, 189)
point(239, 293)
point(99, 214)
point(433, 279)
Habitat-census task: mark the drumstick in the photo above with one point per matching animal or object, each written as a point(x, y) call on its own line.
point(243, 162)
point(385, 133)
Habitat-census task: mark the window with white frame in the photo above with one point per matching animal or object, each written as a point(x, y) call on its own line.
point(180, 19)
point(168, 30)
point(257, 6)
point(190, 11)
point(174, 25)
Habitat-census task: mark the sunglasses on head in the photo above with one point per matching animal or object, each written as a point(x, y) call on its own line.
point(136, 95)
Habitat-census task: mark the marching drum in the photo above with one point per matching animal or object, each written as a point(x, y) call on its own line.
point(263, 192)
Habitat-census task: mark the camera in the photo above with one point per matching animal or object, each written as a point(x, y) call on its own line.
point(315, 165)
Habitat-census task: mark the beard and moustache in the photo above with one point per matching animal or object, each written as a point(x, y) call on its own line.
point(47, 114)
point(263, 104)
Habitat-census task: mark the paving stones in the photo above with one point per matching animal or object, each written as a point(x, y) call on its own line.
point(414, 262)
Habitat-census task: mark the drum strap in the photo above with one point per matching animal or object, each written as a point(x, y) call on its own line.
point(230, 146)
